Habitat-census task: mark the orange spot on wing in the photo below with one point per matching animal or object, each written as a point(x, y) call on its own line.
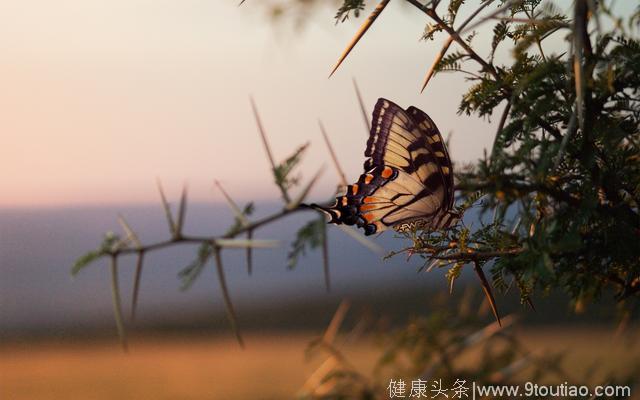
point(370, 199)
point(354, 189)
point(368, 178)
point(367, 207)
point(344, 201)
point(368, 216)
point(387, 172)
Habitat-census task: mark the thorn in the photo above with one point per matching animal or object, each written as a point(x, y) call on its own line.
point(136, 285)
point(131, 235)
point(363, 109)
point(325, 255)
point(435, 63)
point(295, 203)
point(234, 206)
point(167, 209)
point(530, 303)
point(182, 210)
point(363, 240)
point(231, 314)
point(267, 148)
point(249, 253)
point(363, 29)
point(117, 306)
point(334, 158)
point(487, 291)
point(337, 319)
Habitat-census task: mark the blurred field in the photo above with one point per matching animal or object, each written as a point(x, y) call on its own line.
point(271, 367)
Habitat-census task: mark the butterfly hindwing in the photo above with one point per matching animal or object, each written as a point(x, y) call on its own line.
point(437, 144)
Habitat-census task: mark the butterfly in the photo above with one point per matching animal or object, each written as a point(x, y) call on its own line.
point(408, 178)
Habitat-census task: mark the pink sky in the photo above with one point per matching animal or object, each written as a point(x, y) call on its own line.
point(101, 98)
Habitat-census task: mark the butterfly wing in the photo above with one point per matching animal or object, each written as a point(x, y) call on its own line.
point(403, 181)
point(437, 144)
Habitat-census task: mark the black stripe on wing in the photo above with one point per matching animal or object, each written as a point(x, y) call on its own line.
point(386, 117)
point(438, 149)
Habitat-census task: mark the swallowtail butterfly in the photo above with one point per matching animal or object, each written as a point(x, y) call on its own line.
point(408, 179)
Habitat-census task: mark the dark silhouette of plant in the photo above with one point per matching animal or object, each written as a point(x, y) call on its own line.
point(440, 355)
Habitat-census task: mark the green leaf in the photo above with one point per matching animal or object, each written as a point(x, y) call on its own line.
point(239, 220)
point(348, 7)
point(190, 273)
point(108, 245)
point(283, 171)
point(310, 236)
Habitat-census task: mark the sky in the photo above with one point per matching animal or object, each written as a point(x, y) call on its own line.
point(99, 99)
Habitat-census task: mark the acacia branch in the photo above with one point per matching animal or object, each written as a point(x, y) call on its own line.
point(431, 13)
point(205, 239)
point(471, 255)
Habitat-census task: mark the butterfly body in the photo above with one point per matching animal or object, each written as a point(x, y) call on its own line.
point(408, 179)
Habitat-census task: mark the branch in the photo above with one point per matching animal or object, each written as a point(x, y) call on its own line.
point(454, 34)
point(209, 239)
point(474, 256)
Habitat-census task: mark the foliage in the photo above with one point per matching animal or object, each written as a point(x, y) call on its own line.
point(563, 177)
point(239, 220)
point(310, 235)
point(110, 243)
point(190, 273)
point(283, 171)
point(447, 349)
point(572, 178)
point(349, 6)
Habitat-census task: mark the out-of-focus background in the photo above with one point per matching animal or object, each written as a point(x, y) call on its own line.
point(100, 99)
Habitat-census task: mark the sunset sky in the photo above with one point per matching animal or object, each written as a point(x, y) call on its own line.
point(98, 99)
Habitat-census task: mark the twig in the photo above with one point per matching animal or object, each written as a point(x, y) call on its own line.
point(478, 256)
point(453, 33)
point(218, 240)
point(499, 11)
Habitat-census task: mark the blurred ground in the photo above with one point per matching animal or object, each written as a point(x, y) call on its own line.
point(273, 366)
